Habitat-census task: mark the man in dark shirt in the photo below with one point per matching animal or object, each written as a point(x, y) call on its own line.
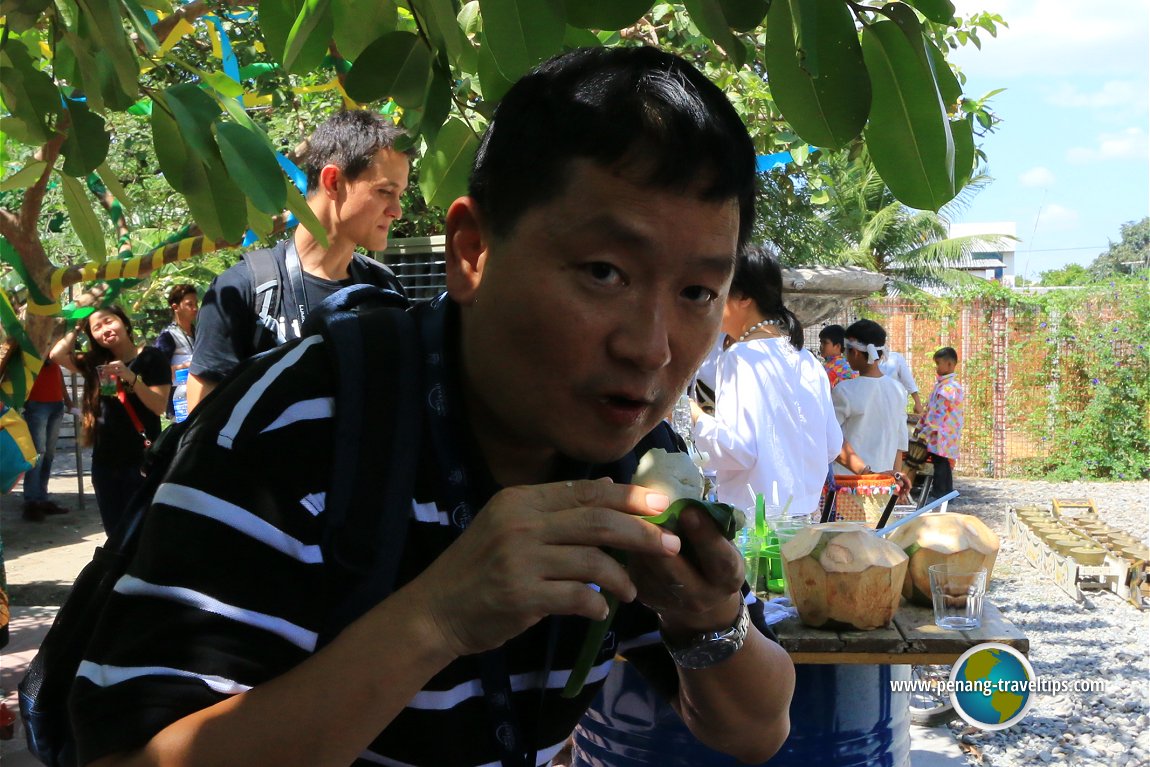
point(587, 272)
point(355, 177)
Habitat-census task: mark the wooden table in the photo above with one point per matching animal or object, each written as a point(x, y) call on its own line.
point(911, 639)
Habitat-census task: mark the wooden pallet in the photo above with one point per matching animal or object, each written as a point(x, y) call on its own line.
point(1128, 579)
point(1081, 507)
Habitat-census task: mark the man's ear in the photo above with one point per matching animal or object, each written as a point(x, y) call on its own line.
point(330, 177)
point(466, 250)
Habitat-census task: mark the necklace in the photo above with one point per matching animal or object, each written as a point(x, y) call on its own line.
point(758, 326)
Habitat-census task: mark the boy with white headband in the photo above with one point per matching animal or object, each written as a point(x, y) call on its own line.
point(872, 407)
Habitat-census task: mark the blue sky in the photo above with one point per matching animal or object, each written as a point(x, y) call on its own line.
point(1070, 161)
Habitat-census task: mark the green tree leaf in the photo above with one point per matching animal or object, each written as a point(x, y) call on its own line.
point(195, 112)
point(938, 11)
point(297, 204)
point(25, 177)
point(307, 41)
point(492, 84)
point(223, 84)
point(521, 34)
point(84, 220)
point(277, 17)
point(29, 95)
point(831, 110)
point(745, 15)
point(358, 22)
point(396, 65)
point(709, 18)
point(252, 166)
point(114, 186)
point(908, 134)
point(106, 30)
point(428, 119)
point(604, 14)
point(963, 132)
point(441, 21)
point(948, 86)
point(216, 203)
point(139, 19)
point(171, 152)
point(805, 33)
point(87, 142)
point(447, 164)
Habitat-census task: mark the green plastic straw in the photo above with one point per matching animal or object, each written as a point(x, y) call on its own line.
point(760, 514)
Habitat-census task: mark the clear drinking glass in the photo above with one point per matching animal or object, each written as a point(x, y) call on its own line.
point(957, 593)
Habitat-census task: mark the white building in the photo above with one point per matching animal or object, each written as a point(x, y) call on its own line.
point(993, 256)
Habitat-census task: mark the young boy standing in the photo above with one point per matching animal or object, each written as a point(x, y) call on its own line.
point(940, 427)
point(831, 339)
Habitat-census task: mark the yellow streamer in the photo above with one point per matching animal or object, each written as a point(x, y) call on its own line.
point(182, 28)
point(214, 36)
point(132, 268)
point(57, 286)
point(43, 310)
point(185, 249)
point(112, 270)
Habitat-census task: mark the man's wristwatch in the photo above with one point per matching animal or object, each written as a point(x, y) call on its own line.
point(710, 647)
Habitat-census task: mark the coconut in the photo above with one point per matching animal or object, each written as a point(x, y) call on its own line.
point(673, 474)
point(944, 538)
point(842, 575)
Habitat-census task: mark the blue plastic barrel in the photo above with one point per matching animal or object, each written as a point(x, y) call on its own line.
point(841, 716)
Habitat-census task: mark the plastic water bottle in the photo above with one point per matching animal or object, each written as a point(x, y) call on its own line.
point(180, 396)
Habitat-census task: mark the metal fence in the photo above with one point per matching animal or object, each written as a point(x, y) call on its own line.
point(1012, 365)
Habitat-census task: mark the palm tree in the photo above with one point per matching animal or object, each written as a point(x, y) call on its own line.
point(911, 247)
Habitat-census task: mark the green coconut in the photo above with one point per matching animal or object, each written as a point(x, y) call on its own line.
point(842, 575)
point(947, 538)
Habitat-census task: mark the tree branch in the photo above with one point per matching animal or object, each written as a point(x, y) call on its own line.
point(9, 225)
point(34, 195)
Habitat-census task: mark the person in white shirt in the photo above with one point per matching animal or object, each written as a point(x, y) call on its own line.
point(872, 407)
point(774, 427)
point(894, 366)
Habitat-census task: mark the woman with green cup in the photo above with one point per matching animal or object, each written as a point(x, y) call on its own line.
point(125, 391)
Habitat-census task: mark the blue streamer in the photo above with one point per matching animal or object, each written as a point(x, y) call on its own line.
point(766, 162)
point(298, 177)
point(231, 65)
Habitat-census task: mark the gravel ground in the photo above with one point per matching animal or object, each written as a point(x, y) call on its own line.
point(1102, 638)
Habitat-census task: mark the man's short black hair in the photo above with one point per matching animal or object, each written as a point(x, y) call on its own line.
point(946, 353)
point(641, 109)
point(833, 333)
point(867, 332)
point(177, 293)
point(350, 141)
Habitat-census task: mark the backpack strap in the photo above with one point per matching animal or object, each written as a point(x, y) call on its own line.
point(366, 270)
point(374, 348)
point(267, 293)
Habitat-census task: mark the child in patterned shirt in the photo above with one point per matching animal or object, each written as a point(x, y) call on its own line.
point(831, 340)
point(940, 427)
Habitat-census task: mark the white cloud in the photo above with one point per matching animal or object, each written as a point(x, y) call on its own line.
point(1128, 144)
point(1055, 218)
point(1123, 94)
point(1039, 177)
point(1056, 38)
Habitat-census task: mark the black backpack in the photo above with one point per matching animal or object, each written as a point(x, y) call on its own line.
point(370, 336)
point(276, 274)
